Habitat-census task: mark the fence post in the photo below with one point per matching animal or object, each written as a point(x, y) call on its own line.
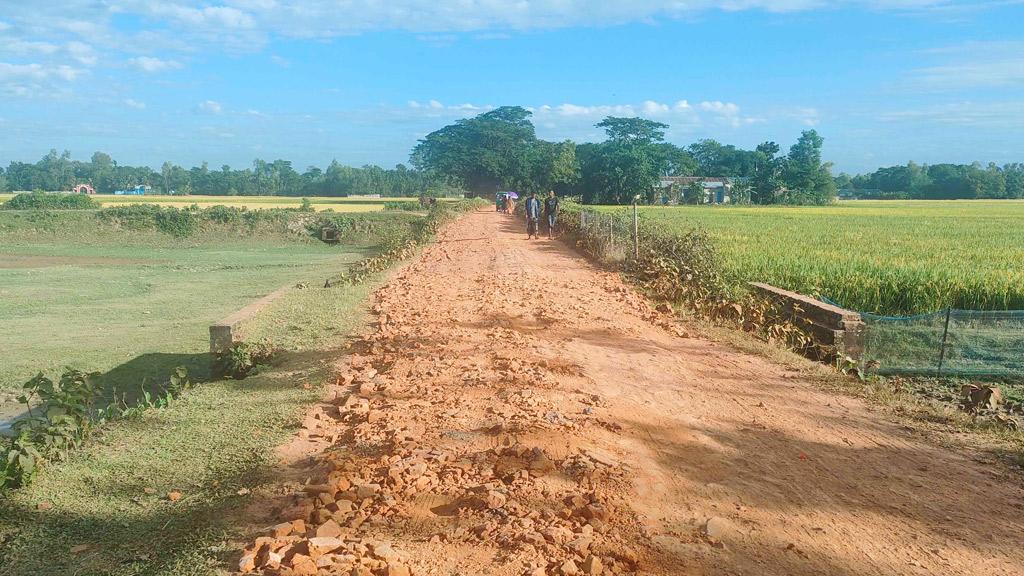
point(611, 235)
point(945, 334)
point(636, 233)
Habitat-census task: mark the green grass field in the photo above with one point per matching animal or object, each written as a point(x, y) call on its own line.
point(134, 303)
point(887, 257)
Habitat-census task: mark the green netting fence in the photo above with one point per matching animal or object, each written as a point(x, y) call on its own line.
point(949, 342)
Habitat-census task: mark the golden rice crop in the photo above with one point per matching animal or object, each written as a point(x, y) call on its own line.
point(886, 257)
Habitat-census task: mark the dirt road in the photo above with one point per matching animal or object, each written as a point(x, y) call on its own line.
point(519, 411)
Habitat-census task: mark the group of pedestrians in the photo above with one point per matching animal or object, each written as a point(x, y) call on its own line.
point(534, 207)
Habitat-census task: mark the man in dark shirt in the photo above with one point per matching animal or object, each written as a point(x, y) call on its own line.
point(551, 211)
point(532, 216)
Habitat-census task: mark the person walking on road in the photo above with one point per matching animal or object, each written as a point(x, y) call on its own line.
point(551, 212)
point(532, 216)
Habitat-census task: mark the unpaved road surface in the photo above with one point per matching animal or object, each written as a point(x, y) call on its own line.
point(518, 411)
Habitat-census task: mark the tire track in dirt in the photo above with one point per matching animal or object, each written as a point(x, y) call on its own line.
point(518, 411)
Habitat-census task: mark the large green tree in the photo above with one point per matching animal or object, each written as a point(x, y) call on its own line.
point(808, 179)
point(485, 153)
point(627, 164)
point(766, 182)
point(498, 150)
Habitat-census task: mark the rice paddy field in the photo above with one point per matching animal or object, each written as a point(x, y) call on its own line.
point(883, 257)
point(337, 204)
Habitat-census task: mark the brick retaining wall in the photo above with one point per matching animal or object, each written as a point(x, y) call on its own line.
point(827, 324)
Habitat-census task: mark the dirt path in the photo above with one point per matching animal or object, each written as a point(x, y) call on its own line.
point(520, 412)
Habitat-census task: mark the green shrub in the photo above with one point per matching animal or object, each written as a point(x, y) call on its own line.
point(403, 205)
point(44, 201)
point(678, 266)
point(183, 222)
point(62, 414)
point(244, 359)
point(60, 421)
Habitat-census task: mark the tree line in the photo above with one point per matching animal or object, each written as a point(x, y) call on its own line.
point(499, 150)
point(57, 171)
point(937, 182)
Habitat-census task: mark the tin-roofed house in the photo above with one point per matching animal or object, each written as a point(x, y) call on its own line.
point(673, 189)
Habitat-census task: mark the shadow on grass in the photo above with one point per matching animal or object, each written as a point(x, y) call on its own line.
point(124, 384)
point(150, 372)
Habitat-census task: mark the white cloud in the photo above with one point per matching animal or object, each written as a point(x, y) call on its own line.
point(578, 120)
point(210, 107)
point(28, 48)
point(989, 115)
point(82, 53)
point(31, 80)
point(223, 17)
point(436, 108)
point(241, 25)
point(151, 65)
point(38, 72)
point(215, 131)
point(972, 65)
point(132, 103)
point(280, 61)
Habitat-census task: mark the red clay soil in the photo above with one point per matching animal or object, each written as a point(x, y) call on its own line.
point(519, 411)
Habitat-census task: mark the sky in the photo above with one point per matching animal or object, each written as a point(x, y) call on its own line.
point(360, 81)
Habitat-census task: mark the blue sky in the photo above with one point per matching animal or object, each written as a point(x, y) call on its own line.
point(884, 81)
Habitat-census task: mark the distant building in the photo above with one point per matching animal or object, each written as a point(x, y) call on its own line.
point(139, 190)
point(859, 193)
point(717, 190)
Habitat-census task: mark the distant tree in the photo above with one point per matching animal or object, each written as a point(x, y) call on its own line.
point(843, 181)
point(766, 183)
point(694, 193)
point(554, 167)
point(715, 159)
point(809, 179)
point(630, 162)
point(677, 161)
point(484, 153)
point(1013, 175)
point(165, 176)
point(633, 130)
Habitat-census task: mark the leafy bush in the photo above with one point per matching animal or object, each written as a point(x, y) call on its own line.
point(62, 414)
point(244, 359)
point(677, 266)
point(44, 201)
point(403, 205)
point(183, 222)
point(60, 421)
